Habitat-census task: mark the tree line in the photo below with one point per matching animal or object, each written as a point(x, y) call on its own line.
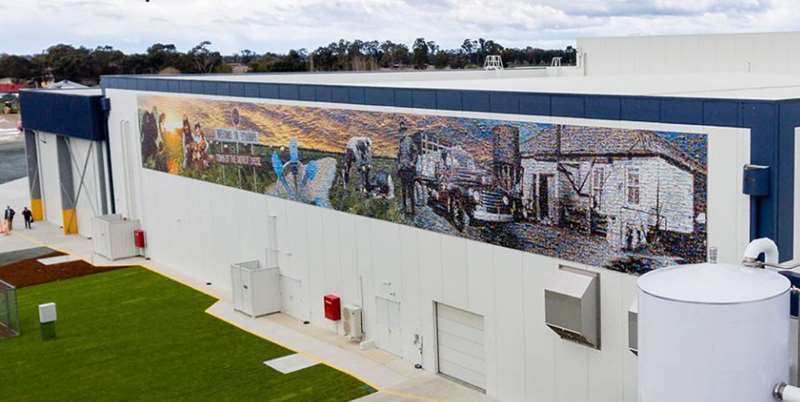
point(85, 65)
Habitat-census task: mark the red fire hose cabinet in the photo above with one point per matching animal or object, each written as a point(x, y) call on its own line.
point(333, 307)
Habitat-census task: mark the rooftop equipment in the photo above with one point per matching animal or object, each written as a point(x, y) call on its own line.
point(714, 332)
point(493, 63)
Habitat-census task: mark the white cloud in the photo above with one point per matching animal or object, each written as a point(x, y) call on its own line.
point(278, 25)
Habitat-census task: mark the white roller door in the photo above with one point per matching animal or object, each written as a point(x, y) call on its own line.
point(460, 341)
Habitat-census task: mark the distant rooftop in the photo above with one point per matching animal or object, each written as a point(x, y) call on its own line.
point(68, 91)
point(757, 66)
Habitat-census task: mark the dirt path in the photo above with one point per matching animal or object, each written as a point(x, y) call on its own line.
point(31, 272)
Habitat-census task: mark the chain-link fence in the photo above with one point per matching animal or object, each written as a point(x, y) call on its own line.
point(9, 312)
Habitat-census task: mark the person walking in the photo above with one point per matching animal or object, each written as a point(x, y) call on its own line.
point(9, 217)
point(27, 215)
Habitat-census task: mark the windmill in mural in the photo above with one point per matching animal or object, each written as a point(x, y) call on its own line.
point(293, 175)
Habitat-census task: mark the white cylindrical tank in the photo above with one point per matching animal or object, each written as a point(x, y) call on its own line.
point(712, 333)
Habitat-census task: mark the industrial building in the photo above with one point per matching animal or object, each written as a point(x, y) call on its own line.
point(487, 225)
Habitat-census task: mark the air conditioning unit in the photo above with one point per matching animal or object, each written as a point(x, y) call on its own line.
point(352, 322)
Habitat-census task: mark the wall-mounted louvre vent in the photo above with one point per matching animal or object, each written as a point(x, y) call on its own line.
point(572, 306)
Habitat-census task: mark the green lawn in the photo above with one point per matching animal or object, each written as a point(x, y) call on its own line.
point(132, 335)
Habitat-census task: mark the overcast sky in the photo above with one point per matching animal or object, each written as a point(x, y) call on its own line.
point(29, 26)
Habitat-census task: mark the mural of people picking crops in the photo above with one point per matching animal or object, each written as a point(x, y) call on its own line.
point(627, 200)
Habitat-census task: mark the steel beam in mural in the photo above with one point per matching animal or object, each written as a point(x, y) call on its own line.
point(627, 200)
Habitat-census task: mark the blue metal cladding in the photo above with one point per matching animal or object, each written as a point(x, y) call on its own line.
point(58, 112)
point(771, 124)
point(475, 101)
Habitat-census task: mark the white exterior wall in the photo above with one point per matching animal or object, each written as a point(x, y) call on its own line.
point(89, 196)
point(48, 173)
point(796, 245)
point(748, 52)
point(201, 228)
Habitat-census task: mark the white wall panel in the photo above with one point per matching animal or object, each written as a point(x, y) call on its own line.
point(509, 324)
point(316, 265)
point(572, 372)
point(413, 303)
point(479, 269)
point(430, 267)
point(349, 284)
point(365, 270)
point(629, 360)
point(386, 259)
point(746, 52)
point(606, 366)
point(48, 170)
point(540, 341)
point(455, 287)
point(89, 203)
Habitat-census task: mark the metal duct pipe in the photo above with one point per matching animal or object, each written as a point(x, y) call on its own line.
point(756, 248)
point(786, 393)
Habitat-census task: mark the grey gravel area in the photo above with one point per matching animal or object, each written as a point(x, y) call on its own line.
point(21, 255)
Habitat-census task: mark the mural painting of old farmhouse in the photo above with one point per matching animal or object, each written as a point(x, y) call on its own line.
point(628, 200)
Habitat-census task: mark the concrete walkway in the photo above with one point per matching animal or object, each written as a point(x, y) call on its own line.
point(395, 379)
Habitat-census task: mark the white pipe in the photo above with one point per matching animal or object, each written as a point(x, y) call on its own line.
point(786, 393)
point(762, 246)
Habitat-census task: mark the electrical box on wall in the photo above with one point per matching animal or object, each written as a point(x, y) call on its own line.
point(352, 322)
point(755, 180)
point(256, 289)
point(572, 305)
point(113, 237)
point(333, 309)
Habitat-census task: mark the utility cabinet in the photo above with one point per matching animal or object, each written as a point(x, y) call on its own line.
point(256, 289)
point(113, 237)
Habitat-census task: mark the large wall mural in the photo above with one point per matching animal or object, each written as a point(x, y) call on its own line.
point(627, 200)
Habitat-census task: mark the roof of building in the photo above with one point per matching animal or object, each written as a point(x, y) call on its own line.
point(67, 84)
point(11, 87)
point(85, 91)
point(582, 142)
point(563, 80)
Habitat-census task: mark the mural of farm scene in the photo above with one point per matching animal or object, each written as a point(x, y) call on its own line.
point(627, 200)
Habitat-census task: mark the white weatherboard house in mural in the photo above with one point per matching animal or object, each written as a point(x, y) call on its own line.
point(630, 187)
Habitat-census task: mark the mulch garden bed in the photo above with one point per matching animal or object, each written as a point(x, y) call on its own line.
point(31, 272)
